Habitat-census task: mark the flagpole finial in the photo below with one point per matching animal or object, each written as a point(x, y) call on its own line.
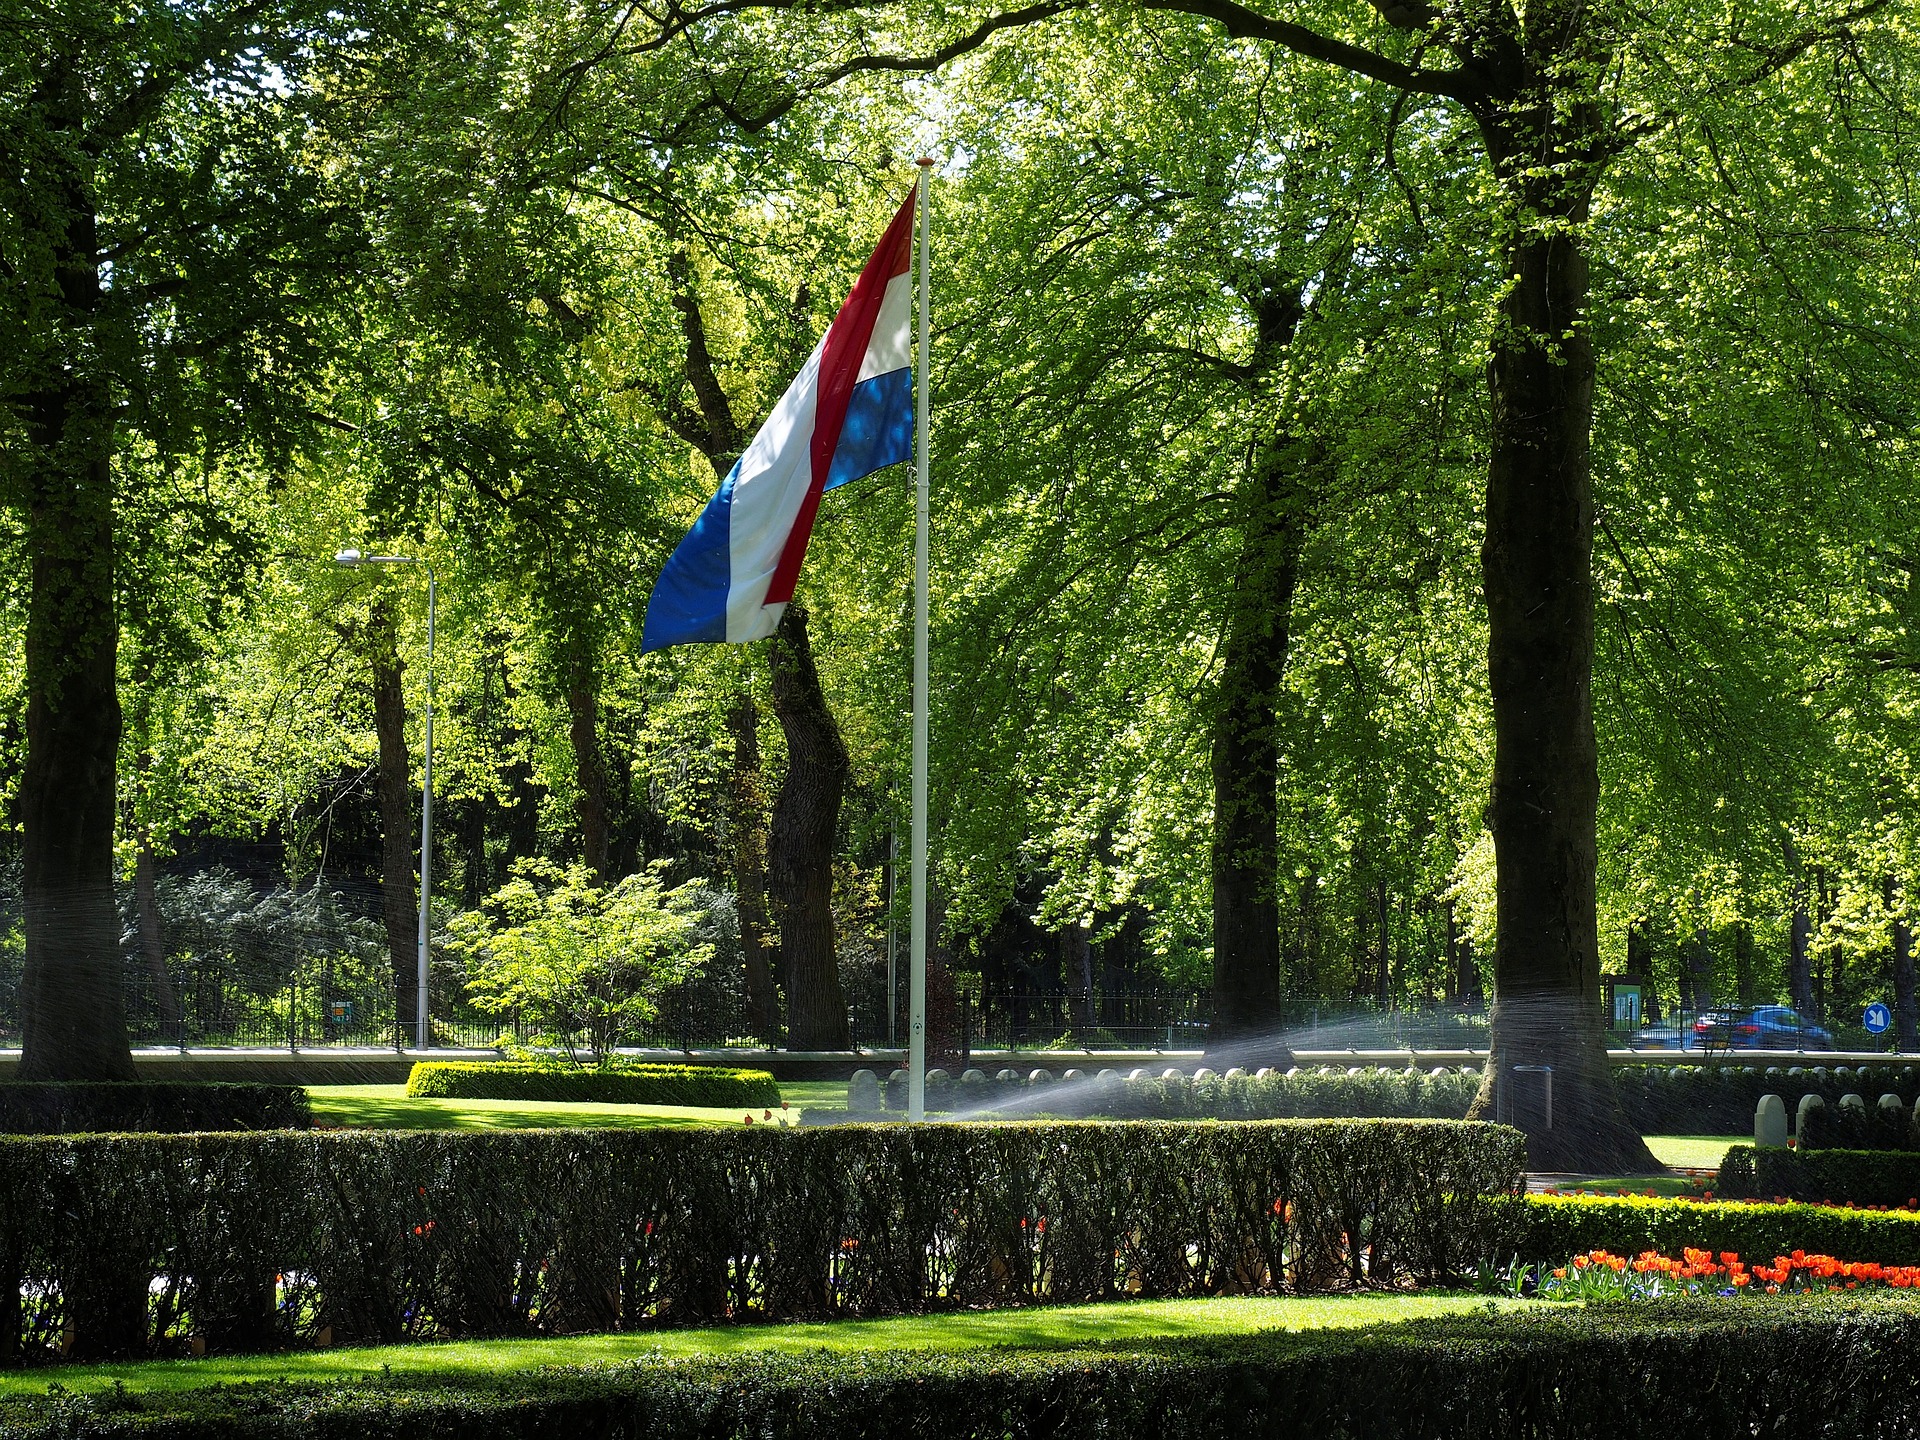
point(925, 162)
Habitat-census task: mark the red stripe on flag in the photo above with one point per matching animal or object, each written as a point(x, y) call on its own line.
point(846, 347)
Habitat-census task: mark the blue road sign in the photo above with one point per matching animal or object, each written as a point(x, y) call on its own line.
point(1876, 1017)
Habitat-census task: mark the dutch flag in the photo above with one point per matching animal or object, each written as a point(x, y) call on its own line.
point(848, 413)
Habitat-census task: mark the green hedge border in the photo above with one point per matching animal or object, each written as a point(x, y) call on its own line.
point(1769, 1366)
point(1858, 1177)
point(1559, 1226)
point(711, 1086)
point(135, 1244)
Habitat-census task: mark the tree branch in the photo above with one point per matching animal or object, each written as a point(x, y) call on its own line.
point(1244, 24)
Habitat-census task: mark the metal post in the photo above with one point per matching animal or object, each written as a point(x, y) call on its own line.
point(917, 980)
point(893, 968)
point(422, 1034)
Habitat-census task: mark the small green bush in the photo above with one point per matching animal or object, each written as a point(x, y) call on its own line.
point(143, 1106)
point(711, 1085)
point(1769, 1366)
point(132, 1244)
point(1558, 1226)
point(1839, 1177)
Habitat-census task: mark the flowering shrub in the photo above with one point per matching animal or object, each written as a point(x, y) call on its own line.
point(1602, 1275)
point(1560, 1225)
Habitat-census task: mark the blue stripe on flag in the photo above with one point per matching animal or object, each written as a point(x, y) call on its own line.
point(879, 428)
point(689, 600)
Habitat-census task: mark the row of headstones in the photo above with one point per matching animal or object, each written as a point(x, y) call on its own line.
point(1770, 1115)
point(1791, 1072)
point(863, 1090)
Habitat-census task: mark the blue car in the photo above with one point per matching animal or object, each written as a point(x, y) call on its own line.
point(1765, 1027)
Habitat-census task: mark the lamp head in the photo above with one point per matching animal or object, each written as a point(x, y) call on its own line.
point(347, 557)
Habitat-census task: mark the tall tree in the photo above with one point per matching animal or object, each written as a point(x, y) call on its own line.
point(162, 211)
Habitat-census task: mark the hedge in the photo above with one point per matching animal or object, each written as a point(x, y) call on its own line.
point(173, 1106)
point(1659, 1099)
point(1721, 1099)
point(1559, 1226)
point(1768, 1366)
point(712, 1085)
point(139, 1244)
point(1859, 1177)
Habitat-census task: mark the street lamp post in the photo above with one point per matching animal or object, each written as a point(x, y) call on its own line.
point(422, 1036)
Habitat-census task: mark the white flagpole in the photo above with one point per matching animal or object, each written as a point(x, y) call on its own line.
point(917, 983)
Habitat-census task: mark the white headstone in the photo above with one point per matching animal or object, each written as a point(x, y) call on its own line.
point(1173, 1072)
point(863, 1091)
point(1236, 1073)
point(1040, 1077)
point(1808, 1104)
point(1073, 1075)
point(1203, 1073)
point(1008, 1075)
point(973, 1077)
point(1770, 1123)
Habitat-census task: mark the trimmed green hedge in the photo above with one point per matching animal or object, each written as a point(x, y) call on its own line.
point(135, 1244)
point(1859, 1177)
point(1559, 1226)
point(1775, 1366)
point(145, 1106)
point(712, 1085)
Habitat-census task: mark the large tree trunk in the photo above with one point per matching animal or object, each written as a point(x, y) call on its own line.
point(73, 1008)
point(1536, 565)
point(750, 868)
point(153, 948)
point(1906, 1016)
point(590, 766)
point(398, 901)
point(1799, 940)
point(806, 820)
point(1246, 1024)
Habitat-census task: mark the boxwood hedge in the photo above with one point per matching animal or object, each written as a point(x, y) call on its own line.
point(1857, 1177)
point(713, 1085)
point(1558, 1226)
point(168, 1106)
point(1719, 1099)
point(1775, 1367)
point(135, 1244)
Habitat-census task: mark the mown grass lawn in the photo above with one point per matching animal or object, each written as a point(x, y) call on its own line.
point(1037, 1328)
point(389, 1107)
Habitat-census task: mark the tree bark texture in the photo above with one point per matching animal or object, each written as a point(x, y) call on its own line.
point(1245, 756)
point(749, 803)
point(1245, 746)
point(153, 947)
point(589, 763)
point(1537, 573)
point(1906, 1015)
point(806, 821)
point(73, 1006)
point(1800, 943)
point(398, 900)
